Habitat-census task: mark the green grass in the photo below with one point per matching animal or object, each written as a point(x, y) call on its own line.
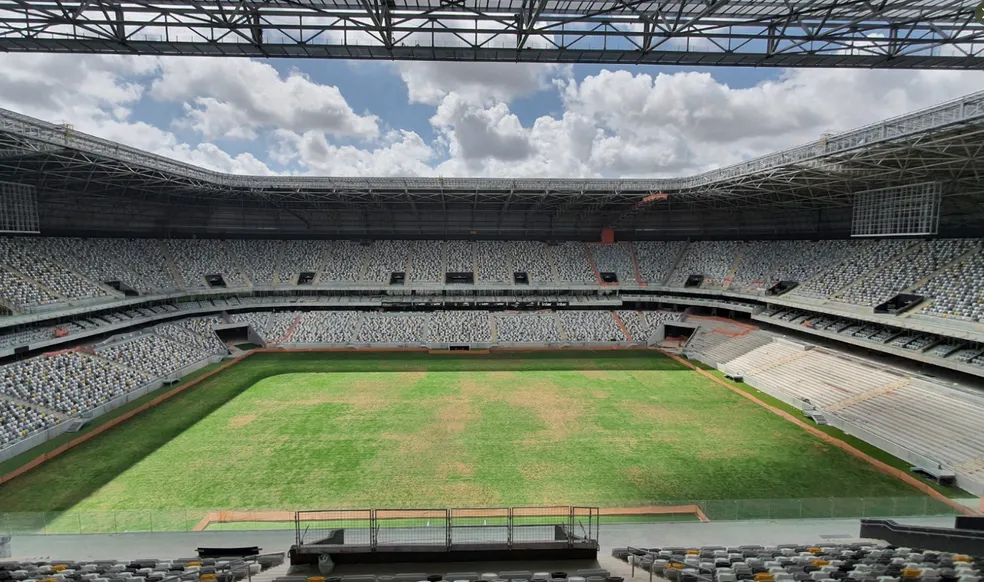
point(52, 444)
point(317, 430)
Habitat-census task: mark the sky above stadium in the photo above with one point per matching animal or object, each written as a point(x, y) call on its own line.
point(345, 118)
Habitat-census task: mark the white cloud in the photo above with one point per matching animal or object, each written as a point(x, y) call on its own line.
point(234, 98)
point(613, 123)
point(431, 82)
point(401, 153)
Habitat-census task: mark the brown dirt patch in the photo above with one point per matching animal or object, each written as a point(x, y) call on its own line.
point(453, 468)
point(559, 413)
point(595, 374)
point(654, 412)
point(241, 421)
point(599, 394)
point(502, 375)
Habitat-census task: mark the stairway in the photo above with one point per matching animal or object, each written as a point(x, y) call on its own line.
point(171, 266)
point(494, 330)
point(865, 396)
point(31, 281)
point(676, 265)
point(553, 265)
point(621, 326)
point(875, 273)
point(561, 330)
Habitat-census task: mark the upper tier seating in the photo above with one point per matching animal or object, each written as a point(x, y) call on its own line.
point(657, 258)
point(957, 290)
point(34, 272)
point(925, 258)
point(259, 258)
point(386, 257)
point(867, 257)
point(572, 264)
point(24, 256)
point(196, 259)
point(533, 258)
point(426, 262)
point(713, 260)
point(495, 262)
point(616, 259)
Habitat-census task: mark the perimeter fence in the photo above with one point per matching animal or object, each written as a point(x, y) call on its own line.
point(514, 524)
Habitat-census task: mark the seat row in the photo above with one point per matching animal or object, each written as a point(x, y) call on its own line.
point(42, 271)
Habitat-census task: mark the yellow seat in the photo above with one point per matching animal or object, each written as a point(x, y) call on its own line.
point(58, 567)
point(961, 558)
point(205, 577)
point(316, 579)
point(818, 563)
point(193, 564)
point(764, 577)
point(693, 552)
point(911, 573)
point(815, 550)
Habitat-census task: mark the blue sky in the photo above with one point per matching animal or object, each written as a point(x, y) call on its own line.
point(457, 119)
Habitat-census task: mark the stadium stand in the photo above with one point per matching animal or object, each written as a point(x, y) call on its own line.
point(387, 257)
point(155, 355)
point(591, 326)
point(18, 421)
point(196, 259)
point(68, 383)
point(527, 328)
point(494, 259)
point(259, 258)
point(713, 260)
point(923, 259)
point(426, 262)
point(460, 257)
point(869, 257)
point(142, 569)
point(616, 259)
point(657, 259)
point(861, 561)
point(325, 327)
point(922, 421)
point(572, 265)
point(459, 327)
point(392, 328)
point(21, 256)
point(956, 290)
point(533, 258)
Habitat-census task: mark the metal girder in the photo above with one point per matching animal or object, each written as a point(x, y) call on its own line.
point(942, 143)
point(793, 33)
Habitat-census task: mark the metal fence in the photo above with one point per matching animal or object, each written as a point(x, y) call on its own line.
point(461, 526)
point(449, 528)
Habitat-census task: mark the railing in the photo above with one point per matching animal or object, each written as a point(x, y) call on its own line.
point(463, 525)
point(448, 528)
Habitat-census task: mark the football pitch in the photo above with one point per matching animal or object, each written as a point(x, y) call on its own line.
point(411, 430)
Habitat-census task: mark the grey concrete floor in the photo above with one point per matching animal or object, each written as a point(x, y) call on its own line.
point(179, 545)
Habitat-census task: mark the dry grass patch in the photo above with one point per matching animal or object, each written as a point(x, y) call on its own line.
point(242, 420)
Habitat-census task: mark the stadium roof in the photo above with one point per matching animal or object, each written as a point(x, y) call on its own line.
point(940, 144)
point(789, 33)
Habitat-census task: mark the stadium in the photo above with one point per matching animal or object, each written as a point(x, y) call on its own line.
point(421, 371)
